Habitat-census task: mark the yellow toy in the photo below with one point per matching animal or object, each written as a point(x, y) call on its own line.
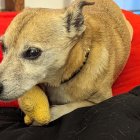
point(35, 105)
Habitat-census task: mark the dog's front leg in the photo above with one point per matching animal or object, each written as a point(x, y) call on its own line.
point(59, 110)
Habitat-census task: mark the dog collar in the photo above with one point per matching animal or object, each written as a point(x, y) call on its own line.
point(77, 71)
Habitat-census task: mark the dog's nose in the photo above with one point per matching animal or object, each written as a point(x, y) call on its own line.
point(1, 88)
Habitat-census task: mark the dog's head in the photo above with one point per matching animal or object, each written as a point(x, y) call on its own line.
point(36, 46)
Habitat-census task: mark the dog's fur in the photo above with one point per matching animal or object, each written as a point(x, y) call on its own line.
point(95, 42)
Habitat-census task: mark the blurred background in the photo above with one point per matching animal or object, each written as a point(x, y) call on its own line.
point(132, 5)
point(17, 5)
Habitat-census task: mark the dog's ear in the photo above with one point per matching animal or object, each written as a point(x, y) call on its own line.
point(74, 19)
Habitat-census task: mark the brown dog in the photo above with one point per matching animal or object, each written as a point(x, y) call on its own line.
point(76, 55)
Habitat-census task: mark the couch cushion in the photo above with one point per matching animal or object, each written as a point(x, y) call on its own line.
point(130, 77)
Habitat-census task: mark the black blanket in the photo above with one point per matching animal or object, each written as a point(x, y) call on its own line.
point(117, 118)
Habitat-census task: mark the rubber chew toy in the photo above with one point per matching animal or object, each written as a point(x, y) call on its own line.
point(35, 105)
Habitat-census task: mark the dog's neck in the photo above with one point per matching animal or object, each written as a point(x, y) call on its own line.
point(77, 58)
point(77, 71)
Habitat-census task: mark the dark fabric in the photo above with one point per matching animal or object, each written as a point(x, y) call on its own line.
point(115, 119)
point(12, 114)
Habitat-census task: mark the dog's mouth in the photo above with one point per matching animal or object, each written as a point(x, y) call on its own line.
point(10, 96)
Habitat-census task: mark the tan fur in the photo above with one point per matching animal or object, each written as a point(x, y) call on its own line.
point(105, 34)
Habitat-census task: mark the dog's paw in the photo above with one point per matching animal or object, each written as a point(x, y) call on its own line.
point(56, 112)
point(61, 110)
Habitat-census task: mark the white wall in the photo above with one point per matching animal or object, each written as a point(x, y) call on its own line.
point(42, 3)
point(2, 5)
point(47, 3)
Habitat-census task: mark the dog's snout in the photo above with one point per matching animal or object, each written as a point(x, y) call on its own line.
point(1, 88)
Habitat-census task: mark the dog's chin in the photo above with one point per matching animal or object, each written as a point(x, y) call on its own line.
point(9, 97)
point(15, 96)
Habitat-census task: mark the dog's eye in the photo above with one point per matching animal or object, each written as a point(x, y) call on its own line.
point(32, 53)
